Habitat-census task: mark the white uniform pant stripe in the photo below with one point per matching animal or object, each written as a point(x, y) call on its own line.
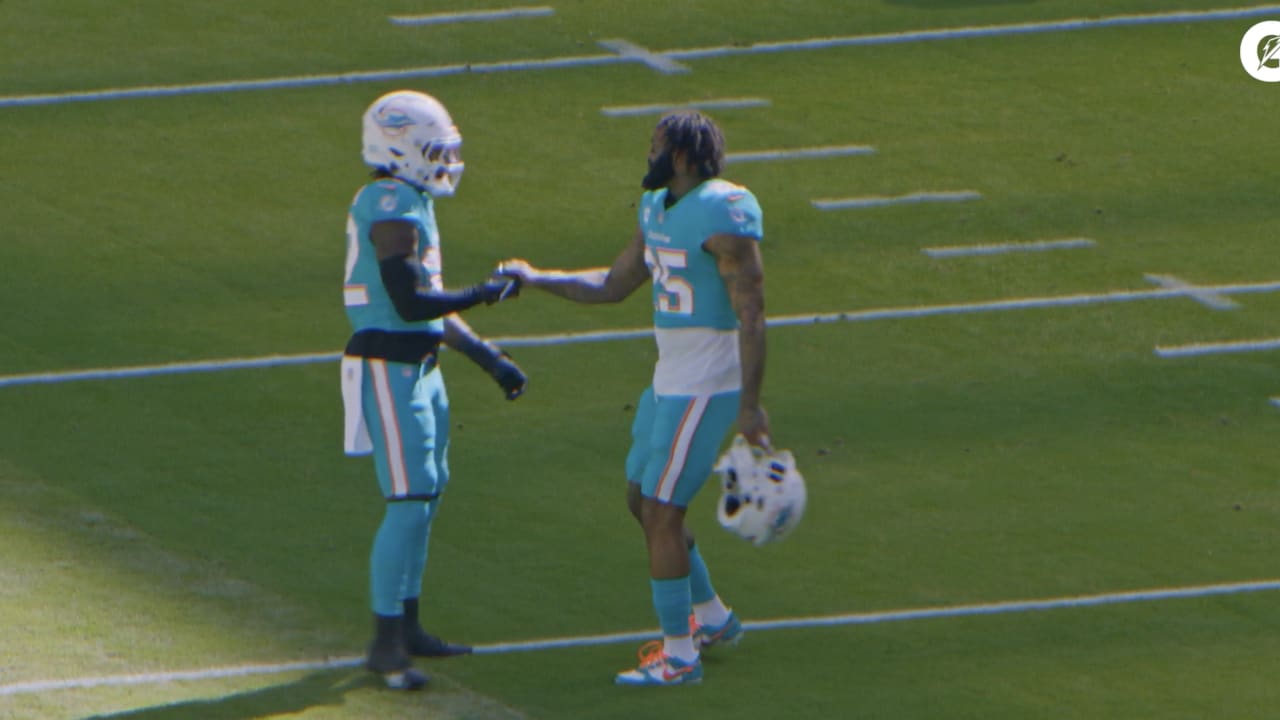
point(680, 448)
point(390, 428)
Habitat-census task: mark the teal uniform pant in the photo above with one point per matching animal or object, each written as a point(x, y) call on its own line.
point(406, 409)
point(675, 440)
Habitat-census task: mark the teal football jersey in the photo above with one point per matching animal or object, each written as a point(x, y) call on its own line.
point(688, 291)
point(368, 305)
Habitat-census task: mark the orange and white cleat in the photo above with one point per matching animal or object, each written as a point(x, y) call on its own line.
point(658, 668)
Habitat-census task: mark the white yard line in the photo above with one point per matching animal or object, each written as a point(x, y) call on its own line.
point(472, 16)
point(660, 58)
point(654, 108)
point(893, 313)
point(631, 51)
point(863, 618)
point(1219, 348)
point(1200, 295)
point(947, 251)
point(805, 153)
point(915, 198)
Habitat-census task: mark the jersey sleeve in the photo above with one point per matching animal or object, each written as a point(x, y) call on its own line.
point(739, 214)
point(387, 200)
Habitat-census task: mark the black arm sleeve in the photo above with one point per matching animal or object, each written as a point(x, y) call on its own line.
point(413, 306)
point(482, 353)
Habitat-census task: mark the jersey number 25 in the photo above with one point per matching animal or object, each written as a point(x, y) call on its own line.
point(676, 295)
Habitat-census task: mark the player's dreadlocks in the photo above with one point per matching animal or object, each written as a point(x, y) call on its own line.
point(699, 137)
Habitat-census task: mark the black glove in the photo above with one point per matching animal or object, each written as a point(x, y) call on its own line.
point(510, 377)
point(497, 289)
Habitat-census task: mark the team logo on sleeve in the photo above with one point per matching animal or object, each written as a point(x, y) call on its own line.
point(388, 203)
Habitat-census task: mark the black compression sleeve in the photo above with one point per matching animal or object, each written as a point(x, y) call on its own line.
point(414, 306)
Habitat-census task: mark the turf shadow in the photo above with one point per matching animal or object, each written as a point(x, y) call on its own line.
point(317, 689)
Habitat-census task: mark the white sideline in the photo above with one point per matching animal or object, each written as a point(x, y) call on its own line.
point(657, 59)
point(868, 618)
point(1027, 303)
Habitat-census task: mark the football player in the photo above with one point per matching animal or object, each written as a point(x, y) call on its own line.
point(697, 239)
point(393, 389)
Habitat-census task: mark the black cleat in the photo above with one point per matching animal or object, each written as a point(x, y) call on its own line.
point(424, 644)
point(421, 643)
point(408, 679)
point(388, 656)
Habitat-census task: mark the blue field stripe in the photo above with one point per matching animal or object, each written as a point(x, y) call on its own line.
point(960, 33)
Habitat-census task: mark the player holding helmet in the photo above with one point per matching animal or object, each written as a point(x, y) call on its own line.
point(697, 238)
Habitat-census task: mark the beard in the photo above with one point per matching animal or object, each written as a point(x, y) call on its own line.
point(661, 170)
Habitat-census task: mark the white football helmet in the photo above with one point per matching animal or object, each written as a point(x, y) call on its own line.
point(411, 136)
point(762, 494)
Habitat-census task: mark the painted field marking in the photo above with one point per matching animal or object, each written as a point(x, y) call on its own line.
point(297, 81)
point(158, 678)
point(630, 51)
point(893, 313)
point(869, 618)
point(1204, 297)
point(823, 151)
point(870, 201)
point(718, 104)
point(177, 368)
point(1221, 348)
point(998, 248)
point(472, 16)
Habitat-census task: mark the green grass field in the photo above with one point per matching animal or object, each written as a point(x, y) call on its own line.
point(191, 523)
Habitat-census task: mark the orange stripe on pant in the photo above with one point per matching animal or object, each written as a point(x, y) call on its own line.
point(680, 445)
point(390, 428)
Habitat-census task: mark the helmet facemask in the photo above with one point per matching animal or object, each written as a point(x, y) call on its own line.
point(443, 161)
